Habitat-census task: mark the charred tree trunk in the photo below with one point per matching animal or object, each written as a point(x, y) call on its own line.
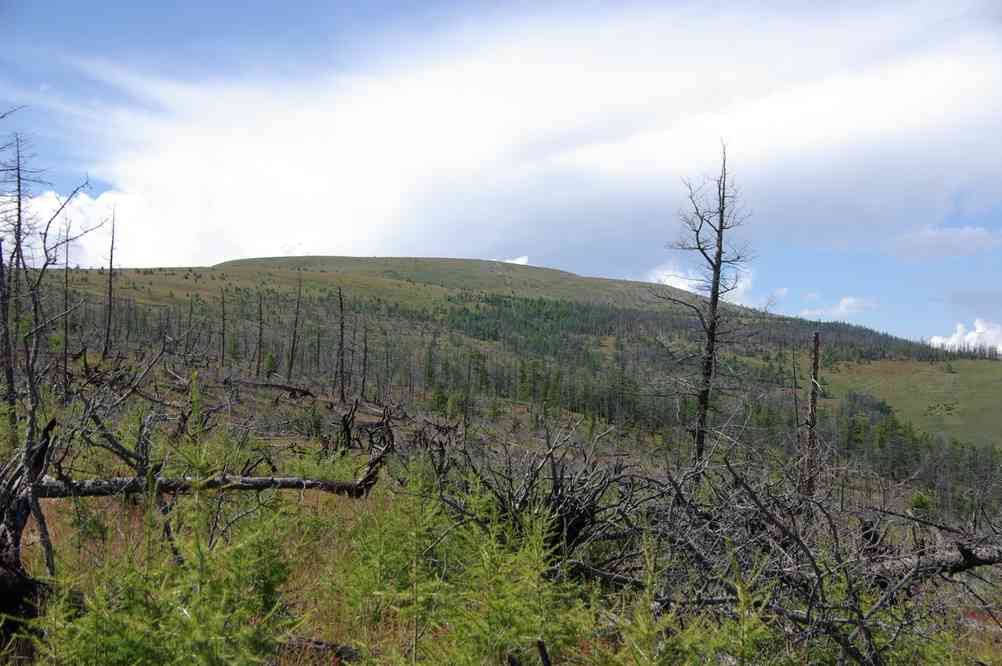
point(260, 334)
point(295, 331)
point(351, 350)
point(66, 318)
point(20, 594)
point(187, 330)
point(709, 364)
point(365, 357)
point(108, 311)
point(809, 479)
point(708, 218)
point(7, 354)
point(222, 331)
point(340, 346)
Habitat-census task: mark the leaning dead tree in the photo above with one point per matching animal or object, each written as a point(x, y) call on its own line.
point(713, 211)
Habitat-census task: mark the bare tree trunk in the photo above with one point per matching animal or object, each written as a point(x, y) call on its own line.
point(340, 346)
point(260, 333)
point(187, 331)
point(706, 222)
point(7, 354)
point(712, 320)
point(222, 332)
point(365, 356)
point(316, 351)
point(295, 330)
point(66, 318)
point(20, 594)
point(111, 273)
point(811, 453)
point(351, 351)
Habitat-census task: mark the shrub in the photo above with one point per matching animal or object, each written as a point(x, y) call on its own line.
point(219, 606)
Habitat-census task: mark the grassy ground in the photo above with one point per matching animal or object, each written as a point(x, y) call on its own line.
point(961, 399)
point(416, 282)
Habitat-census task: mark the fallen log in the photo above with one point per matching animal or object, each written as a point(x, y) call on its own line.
point(959, 557)
point(305, 646)
point(294, 391)
point(50, 488)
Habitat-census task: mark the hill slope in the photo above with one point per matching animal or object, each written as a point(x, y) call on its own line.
point(580, 324)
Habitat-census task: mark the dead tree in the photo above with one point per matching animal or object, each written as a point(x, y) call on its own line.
point(106, 348)
point(222, 332)
point(340, 347)
point(260, 334)
point(295, 330)
point(713, 212)
point(25, 375)
point(810, 453)
point(66, 318)
point(365, 358)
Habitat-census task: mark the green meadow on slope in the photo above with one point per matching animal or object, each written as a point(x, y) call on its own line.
point(960, 398)
point(412, 281)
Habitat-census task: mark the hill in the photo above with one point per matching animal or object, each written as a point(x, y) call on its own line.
point(584, 325)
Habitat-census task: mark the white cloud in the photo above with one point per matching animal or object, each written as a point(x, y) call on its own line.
point(671, 275)
point(693, 281)
point(984, 334)
point(932, 241)
point(846, 307)
point(83, 213)
point(741, 294)
point(775, 296)
point(439, 150)
point(521, 261)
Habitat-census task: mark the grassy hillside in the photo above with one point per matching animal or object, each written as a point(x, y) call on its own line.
point(959, 398)
point(494, 277)
point(416, 282)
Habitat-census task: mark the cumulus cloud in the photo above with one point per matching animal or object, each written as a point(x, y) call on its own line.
point(984, 334)
point(86, 215)
point(935, 241)
point(846, 307)
point(553, 133)
point(521, 261)
point(672, 275)
point(742, 292)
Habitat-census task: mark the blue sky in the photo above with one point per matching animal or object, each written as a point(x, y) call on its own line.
point(865, 138)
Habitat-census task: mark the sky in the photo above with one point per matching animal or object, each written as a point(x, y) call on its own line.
point(864, 137)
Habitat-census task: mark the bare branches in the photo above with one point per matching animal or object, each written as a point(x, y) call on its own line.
point(8, 112)
point(713, 212)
